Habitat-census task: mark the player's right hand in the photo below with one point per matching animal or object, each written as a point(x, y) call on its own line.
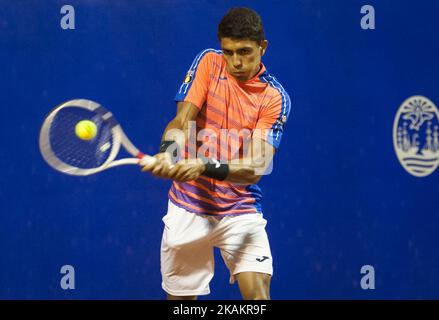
point(161, 167)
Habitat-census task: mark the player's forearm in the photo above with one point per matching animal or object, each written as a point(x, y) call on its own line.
point(177, 128)
point(246, 172)
point(174, 124)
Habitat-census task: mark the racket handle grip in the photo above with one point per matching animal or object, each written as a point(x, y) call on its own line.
point(147, 160)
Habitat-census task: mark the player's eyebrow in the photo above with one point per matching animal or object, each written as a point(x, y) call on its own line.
point(238, 49)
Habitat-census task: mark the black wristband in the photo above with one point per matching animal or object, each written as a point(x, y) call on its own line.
point(171, 147)
point(216, 170)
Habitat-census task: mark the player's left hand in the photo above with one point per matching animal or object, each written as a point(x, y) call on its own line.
point(161, 166)
point(187, 170)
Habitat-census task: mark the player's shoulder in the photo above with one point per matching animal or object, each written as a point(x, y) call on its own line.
point(210, 57)
point(275, 91)
point(275, 88)
point(209, 53)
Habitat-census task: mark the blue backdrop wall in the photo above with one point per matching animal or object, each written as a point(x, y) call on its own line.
point(338, 198)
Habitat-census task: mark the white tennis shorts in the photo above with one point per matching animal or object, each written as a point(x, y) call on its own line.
point(187, 258)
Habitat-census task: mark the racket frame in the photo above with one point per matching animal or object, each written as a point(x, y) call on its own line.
point(118, 136)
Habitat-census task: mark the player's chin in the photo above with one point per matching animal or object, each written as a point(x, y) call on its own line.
point(241, 76)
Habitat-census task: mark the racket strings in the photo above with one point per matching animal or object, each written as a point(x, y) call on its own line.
point(72, 150)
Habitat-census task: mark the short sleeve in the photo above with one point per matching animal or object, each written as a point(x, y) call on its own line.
point(196, 82)
point(273, 118)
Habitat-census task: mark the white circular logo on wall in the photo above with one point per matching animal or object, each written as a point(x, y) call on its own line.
point(416, 136)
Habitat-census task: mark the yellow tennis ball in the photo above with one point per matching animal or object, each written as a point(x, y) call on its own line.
point(86, 130)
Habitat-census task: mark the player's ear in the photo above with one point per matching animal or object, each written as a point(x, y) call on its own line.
point(263, 46)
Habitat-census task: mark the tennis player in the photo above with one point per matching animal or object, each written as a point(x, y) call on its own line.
point(214, 200)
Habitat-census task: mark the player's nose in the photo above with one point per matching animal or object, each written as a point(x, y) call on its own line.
point(237, 62)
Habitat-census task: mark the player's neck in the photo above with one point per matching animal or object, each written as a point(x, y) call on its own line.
point(253, 74)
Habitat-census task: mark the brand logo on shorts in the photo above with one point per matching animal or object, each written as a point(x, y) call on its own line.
point(262, 259)
point(416, 136)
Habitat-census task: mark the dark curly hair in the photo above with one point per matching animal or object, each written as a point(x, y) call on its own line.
point(241, 23)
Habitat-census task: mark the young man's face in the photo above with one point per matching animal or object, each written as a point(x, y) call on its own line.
point(243, 57)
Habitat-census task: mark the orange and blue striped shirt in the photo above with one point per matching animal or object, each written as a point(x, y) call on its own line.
point(225, 103)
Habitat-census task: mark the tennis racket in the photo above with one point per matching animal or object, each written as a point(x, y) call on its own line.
point(64, 151)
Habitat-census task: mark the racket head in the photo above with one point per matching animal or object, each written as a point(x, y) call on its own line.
point(65, 152)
